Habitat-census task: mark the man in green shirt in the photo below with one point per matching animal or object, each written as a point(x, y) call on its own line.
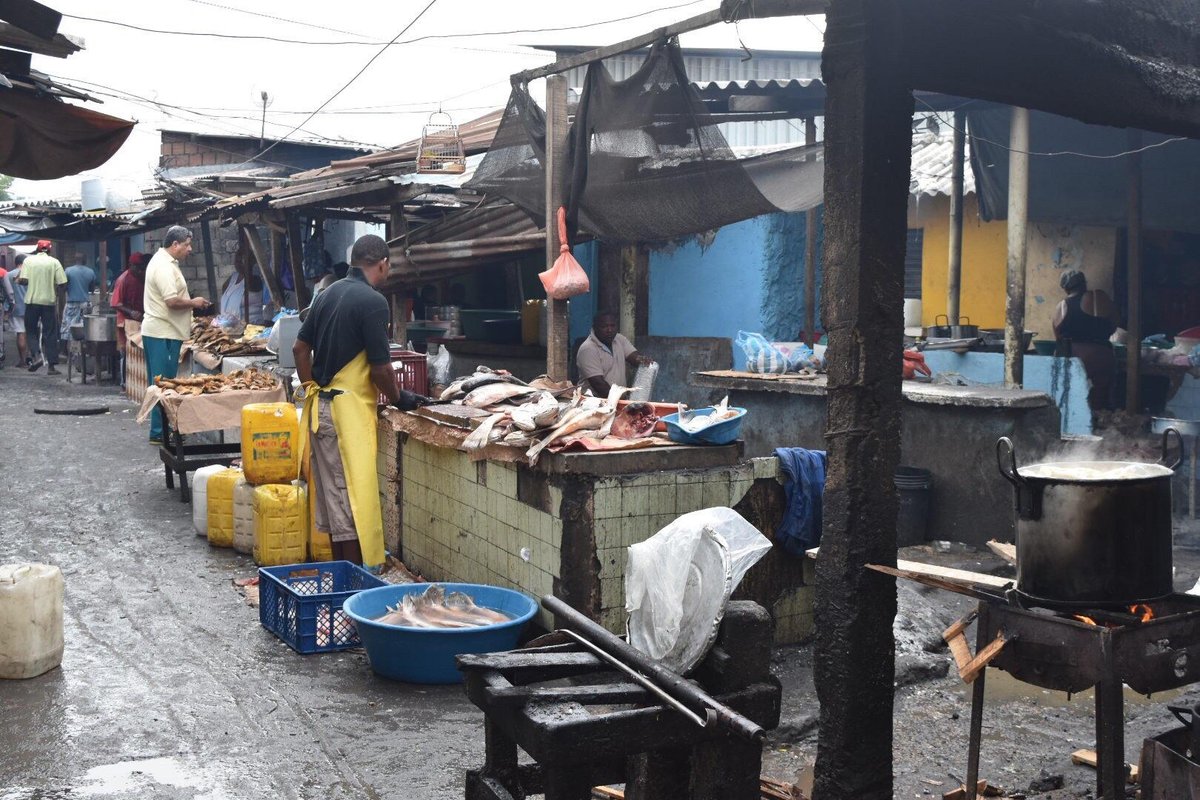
point(45, 284)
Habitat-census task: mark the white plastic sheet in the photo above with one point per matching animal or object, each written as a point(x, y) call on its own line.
point(678, 581)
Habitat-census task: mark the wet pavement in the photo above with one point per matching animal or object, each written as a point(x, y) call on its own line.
point(170, 688)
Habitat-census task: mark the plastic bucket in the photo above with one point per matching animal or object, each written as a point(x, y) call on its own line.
point(914, 488)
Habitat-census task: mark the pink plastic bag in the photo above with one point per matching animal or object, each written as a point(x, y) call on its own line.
point(566, 278)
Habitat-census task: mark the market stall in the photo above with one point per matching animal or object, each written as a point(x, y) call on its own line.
point(195, 404)
point(462, 504)
point(949, 430)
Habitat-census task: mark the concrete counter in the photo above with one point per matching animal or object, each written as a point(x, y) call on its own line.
point(949, 430)
point(563, 526)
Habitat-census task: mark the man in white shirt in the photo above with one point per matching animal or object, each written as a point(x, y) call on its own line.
point(603, 355)
point(167, 322)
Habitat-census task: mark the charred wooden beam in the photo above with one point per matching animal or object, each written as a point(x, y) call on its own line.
point(867, 152)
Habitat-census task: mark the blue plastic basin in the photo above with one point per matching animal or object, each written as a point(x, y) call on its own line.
point(723, 432)
point(426, 655)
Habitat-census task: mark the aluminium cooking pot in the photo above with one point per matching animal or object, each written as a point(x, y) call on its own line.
point(937, 330)
point(1092, 533)
point(100, 327)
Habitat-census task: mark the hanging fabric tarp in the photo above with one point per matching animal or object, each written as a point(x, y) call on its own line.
point(646, 161)
point(43, 139)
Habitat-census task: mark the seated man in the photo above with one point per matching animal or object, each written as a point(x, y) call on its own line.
point(603, 355)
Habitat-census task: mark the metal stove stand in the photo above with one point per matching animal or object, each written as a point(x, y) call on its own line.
point(586, 724)
point(1051, 650)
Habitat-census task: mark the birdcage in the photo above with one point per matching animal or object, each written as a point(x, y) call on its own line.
point(441, 147)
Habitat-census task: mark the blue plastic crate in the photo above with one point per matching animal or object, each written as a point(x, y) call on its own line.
point(302, 603)
point(722, 432)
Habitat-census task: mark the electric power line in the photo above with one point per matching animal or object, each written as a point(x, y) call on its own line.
point(1099, 157)
point(283, 40)
point(347, 84)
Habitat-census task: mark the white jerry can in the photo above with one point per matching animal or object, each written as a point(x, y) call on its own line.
point(31, 619)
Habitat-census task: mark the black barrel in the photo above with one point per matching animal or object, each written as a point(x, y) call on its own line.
point(914, 488)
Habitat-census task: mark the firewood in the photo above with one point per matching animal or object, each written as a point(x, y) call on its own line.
point(1088, 758)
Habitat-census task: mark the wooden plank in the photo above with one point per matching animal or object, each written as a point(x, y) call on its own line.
point(58, 47)
point(210, 268)
point(595, 694)
point(264, 262)
point(361, 192)
point(951, 574)
point(557, 328)
point(296, 259)
point(1088, 758)
point(530, 668)
point(793, 7)
point(1005, 550)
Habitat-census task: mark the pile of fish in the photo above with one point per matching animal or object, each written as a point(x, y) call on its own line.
point(436, 609)
point(692, 422)
point(543, 412)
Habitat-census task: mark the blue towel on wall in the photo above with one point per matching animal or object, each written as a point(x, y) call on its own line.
point(800, 529)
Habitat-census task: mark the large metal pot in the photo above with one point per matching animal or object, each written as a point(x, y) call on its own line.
point(100, 327)
point(1092, 533)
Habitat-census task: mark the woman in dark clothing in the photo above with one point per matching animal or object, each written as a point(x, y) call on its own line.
point(1083, 323)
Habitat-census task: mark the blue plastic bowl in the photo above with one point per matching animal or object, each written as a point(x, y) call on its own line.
point(722, 433)
point(426, 655)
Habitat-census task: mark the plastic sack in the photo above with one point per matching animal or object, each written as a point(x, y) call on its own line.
point(761, 355)
point(438, 367)
point(566, 279)
point(643, 382)
point(678, 581)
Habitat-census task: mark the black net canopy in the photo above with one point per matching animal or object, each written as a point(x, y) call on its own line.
point(645, 161)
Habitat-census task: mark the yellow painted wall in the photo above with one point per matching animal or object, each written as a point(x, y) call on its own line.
point(1052, 249)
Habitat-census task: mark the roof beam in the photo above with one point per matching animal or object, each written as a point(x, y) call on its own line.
point(58, 47)
point(28, 15)
point(758, 9)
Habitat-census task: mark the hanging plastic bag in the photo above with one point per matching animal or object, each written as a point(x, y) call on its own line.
point(761, 355)
point(438, 366)
point(678, 582)
point(566, 279)
point(643, 381)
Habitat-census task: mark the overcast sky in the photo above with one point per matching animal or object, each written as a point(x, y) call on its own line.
point(212, 84)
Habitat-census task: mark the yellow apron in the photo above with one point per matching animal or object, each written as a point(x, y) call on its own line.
point(354, 416)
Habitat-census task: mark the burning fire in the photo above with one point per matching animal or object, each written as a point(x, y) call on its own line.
point(1144, 613)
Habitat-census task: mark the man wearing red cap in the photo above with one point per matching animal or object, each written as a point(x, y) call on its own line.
point(127, 299)
point(45, 283)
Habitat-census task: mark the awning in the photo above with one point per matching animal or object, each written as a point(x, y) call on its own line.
point(43, 139)
point(1085, 181)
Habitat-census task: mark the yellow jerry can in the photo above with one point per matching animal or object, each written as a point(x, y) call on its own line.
point(270, 443)
point(220, 506)
point(280, 524)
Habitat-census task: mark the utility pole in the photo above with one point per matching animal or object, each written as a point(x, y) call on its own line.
point(262, 132)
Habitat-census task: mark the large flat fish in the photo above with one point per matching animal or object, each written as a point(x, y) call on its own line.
point(485, 378)
point(582, 420)
point(493, 393)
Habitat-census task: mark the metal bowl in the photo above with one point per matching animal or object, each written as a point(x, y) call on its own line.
point(77, 332)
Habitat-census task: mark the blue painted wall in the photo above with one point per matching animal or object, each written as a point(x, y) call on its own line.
point(749, 277)
point(1063, 379)
point(580, 310)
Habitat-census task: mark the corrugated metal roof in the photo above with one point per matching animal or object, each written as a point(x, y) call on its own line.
point(932, 162)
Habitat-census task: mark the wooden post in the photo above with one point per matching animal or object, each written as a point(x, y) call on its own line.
point(634, 308)
point(558, 336)
point(810, 252)
point(1018, 244)
point(954, 272)
point(210, 268)
point(296, 260)
point(867, 154)
point(262, 259)
point(102, 263)
point(1133, 258)
point(395, 230)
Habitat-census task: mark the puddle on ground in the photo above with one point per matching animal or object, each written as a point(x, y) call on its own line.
point(149, 777)
point(1003, 688)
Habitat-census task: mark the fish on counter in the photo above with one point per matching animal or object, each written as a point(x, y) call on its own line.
point(579, 419)
point(541, 411)
point(490, 394)
point(634, 421)
point(481, 377)
point(433, 608)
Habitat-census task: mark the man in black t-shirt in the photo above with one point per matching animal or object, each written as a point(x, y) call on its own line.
point(343, 361)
